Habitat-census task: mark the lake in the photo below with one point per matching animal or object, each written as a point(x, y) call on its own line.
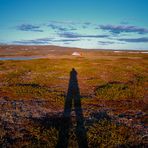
point(19, 58)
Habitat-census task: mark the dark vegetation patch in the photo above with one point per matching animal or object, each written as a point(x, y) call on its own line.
point(119, 90)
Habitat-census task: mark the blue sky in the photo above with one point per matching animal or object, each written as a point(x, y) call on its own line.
point(108, 24)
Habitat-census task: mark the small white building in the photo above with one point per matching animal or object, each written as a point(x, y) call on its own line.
point(76, 54)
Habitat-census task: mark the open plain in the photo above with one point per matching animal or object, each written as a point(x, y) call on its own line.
point(111, 88)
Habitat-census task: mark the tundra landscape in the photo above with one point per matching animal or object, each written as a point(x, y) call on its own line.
point(73, 74)
point(52, 98)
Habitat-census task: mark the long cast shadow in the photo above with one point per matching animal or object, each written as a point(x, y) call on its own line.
point(73, 98)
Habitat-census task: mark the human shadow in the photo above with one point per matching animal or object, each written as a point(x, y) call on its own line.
point(63, 121)
point(72, 99)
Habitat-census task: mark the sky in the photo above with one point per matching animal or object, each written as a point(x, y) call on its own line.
point(90, 24)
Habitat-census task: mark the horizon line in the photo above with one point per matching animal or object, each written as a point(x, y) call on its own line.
point(127, 49)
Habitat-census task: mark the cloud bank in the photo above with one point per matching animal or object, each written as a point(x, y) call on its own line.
point(135, 40)
point(76, 35)
point(29, 27)
point(123, 28)
point(85, 34)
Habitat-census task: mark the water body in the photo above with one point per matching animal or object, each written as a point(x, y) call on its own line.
point(19, 58)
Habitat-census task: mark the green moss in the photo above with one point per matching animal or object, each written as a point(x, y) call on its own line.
point(120, 91)
point(107, 134)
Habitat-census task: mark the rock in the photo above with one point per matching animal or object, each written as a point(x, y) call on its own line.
point(76, 54)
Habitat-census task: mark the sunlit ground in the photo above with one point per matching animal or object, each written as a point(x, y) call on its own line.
point(113, 90)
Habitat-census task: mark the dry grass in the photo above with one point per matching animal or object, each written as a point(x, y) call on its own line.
point(114, 82)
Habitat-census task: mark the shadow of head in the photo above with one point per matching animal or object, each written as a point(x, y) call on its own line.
point(73, 73)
